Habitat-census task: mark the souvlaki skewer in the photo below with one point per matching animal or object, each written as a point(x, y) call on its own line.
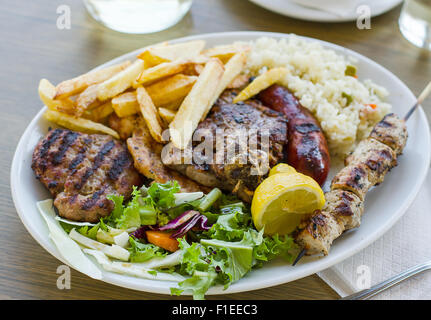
point(365, 167)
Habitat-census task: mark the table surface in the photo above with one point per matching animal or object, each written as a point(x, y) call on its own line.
point(33, 48)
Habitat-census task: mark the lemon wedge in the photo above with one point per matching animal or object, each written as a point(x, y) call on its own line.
point(283, 199)
point(281, 168)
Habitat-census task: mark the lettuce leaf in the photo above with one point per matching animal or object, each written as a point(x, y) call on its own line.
point(232, 225)
point(145, 207)
point(163, 193)
point(139, 211)
point(229, 250)
point(194, 257)
point(211, 262)
point(140, 252)
point(89, 232)
point(275, 246)
point(196, 263)
point(198, 283)
point(118, 206)
point(232, 259)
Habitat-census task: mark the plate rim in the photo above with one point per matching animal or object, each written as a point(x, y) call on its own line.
point(320, 15)
point(240, 286)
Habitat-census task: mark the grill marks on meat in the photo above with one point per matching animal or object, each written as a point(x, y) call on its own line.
point(376, 156)
point(391, 131)
point(106, 148)
point(317, 234)
point(365, 167)
point(342, 211)
point(224, 129)
point(118, 164)
point(345, 206)
point(307, 149)
point(68, 139)
point(80, 170)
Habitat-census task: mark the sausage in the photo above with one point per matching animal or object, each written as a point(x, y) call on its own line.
point(307, 148)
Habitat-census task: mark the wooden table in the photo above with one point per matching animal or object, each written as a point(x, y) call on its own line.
point(32, 47)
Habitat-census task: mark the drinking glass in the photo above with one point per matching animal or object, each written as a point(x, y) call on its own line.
point(138, 16)
point(415, 22)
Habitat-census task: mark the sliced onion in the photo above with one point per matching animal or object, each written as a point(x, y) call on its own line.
point(180, 220)
point(186, 227)
point(140, 232)
point(203, 223)
point(200, 221)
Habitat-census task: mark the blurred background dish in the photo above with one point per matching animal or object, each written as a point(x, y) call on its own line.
point(138, 16)
point(330, 12)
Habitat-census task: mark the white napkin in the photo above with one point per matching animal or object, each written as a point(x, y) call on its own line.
point(407, 244)
point(340, 8)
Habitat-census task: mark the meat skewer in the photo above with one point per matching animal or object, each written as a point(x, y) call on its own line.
point(365, 167)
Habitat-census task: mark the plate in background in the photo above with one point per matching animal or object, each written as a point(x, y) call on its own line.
point(294, 10)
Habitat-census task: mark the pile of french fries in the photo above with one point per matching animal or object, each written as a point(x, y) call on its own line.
point(169, 86)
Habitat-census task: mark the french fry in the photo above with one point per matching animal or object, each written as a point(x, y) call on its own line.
point(87, 99)
point(232, 69)
point(198, 68)
point(161, 71)
point(150, 114)
point(78, 124)
point(47, 93)
point(225, 52)
point(171, 52)
point(70, 87)
point(261, 82)
point(99, 113)
point(170, 89)
point(125, 104)
point(193, 69)
point(196, 104)
point(200, 59)
point(174, 105)
point(166, 115)
point(121, 81)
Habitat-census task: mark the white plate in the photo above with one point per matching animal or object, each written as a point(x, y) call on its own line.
point(384, 205)
point(294, 10)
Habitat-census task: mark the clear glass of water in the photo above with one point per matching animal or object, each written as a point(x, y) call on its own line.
point(138, 16)
point(415, 22)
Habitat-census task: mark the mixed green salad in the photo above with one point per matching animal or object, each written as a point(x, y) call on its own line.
point(194, 239)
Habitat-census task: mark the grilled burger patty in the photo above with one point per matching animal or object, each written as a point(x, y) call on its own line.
point(80, 170)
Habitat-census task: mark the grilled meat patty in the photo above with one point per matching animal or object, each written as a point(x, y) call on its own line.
point(80, 170)
point(245, 138)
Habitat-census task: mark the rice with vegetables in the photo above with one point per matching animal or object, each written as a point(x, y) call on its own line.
point(325, 83)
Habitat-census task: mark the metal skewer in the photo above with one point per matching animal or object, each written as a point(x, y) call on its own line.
point(300, 255)
point(424, 94)
point(421, 99)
